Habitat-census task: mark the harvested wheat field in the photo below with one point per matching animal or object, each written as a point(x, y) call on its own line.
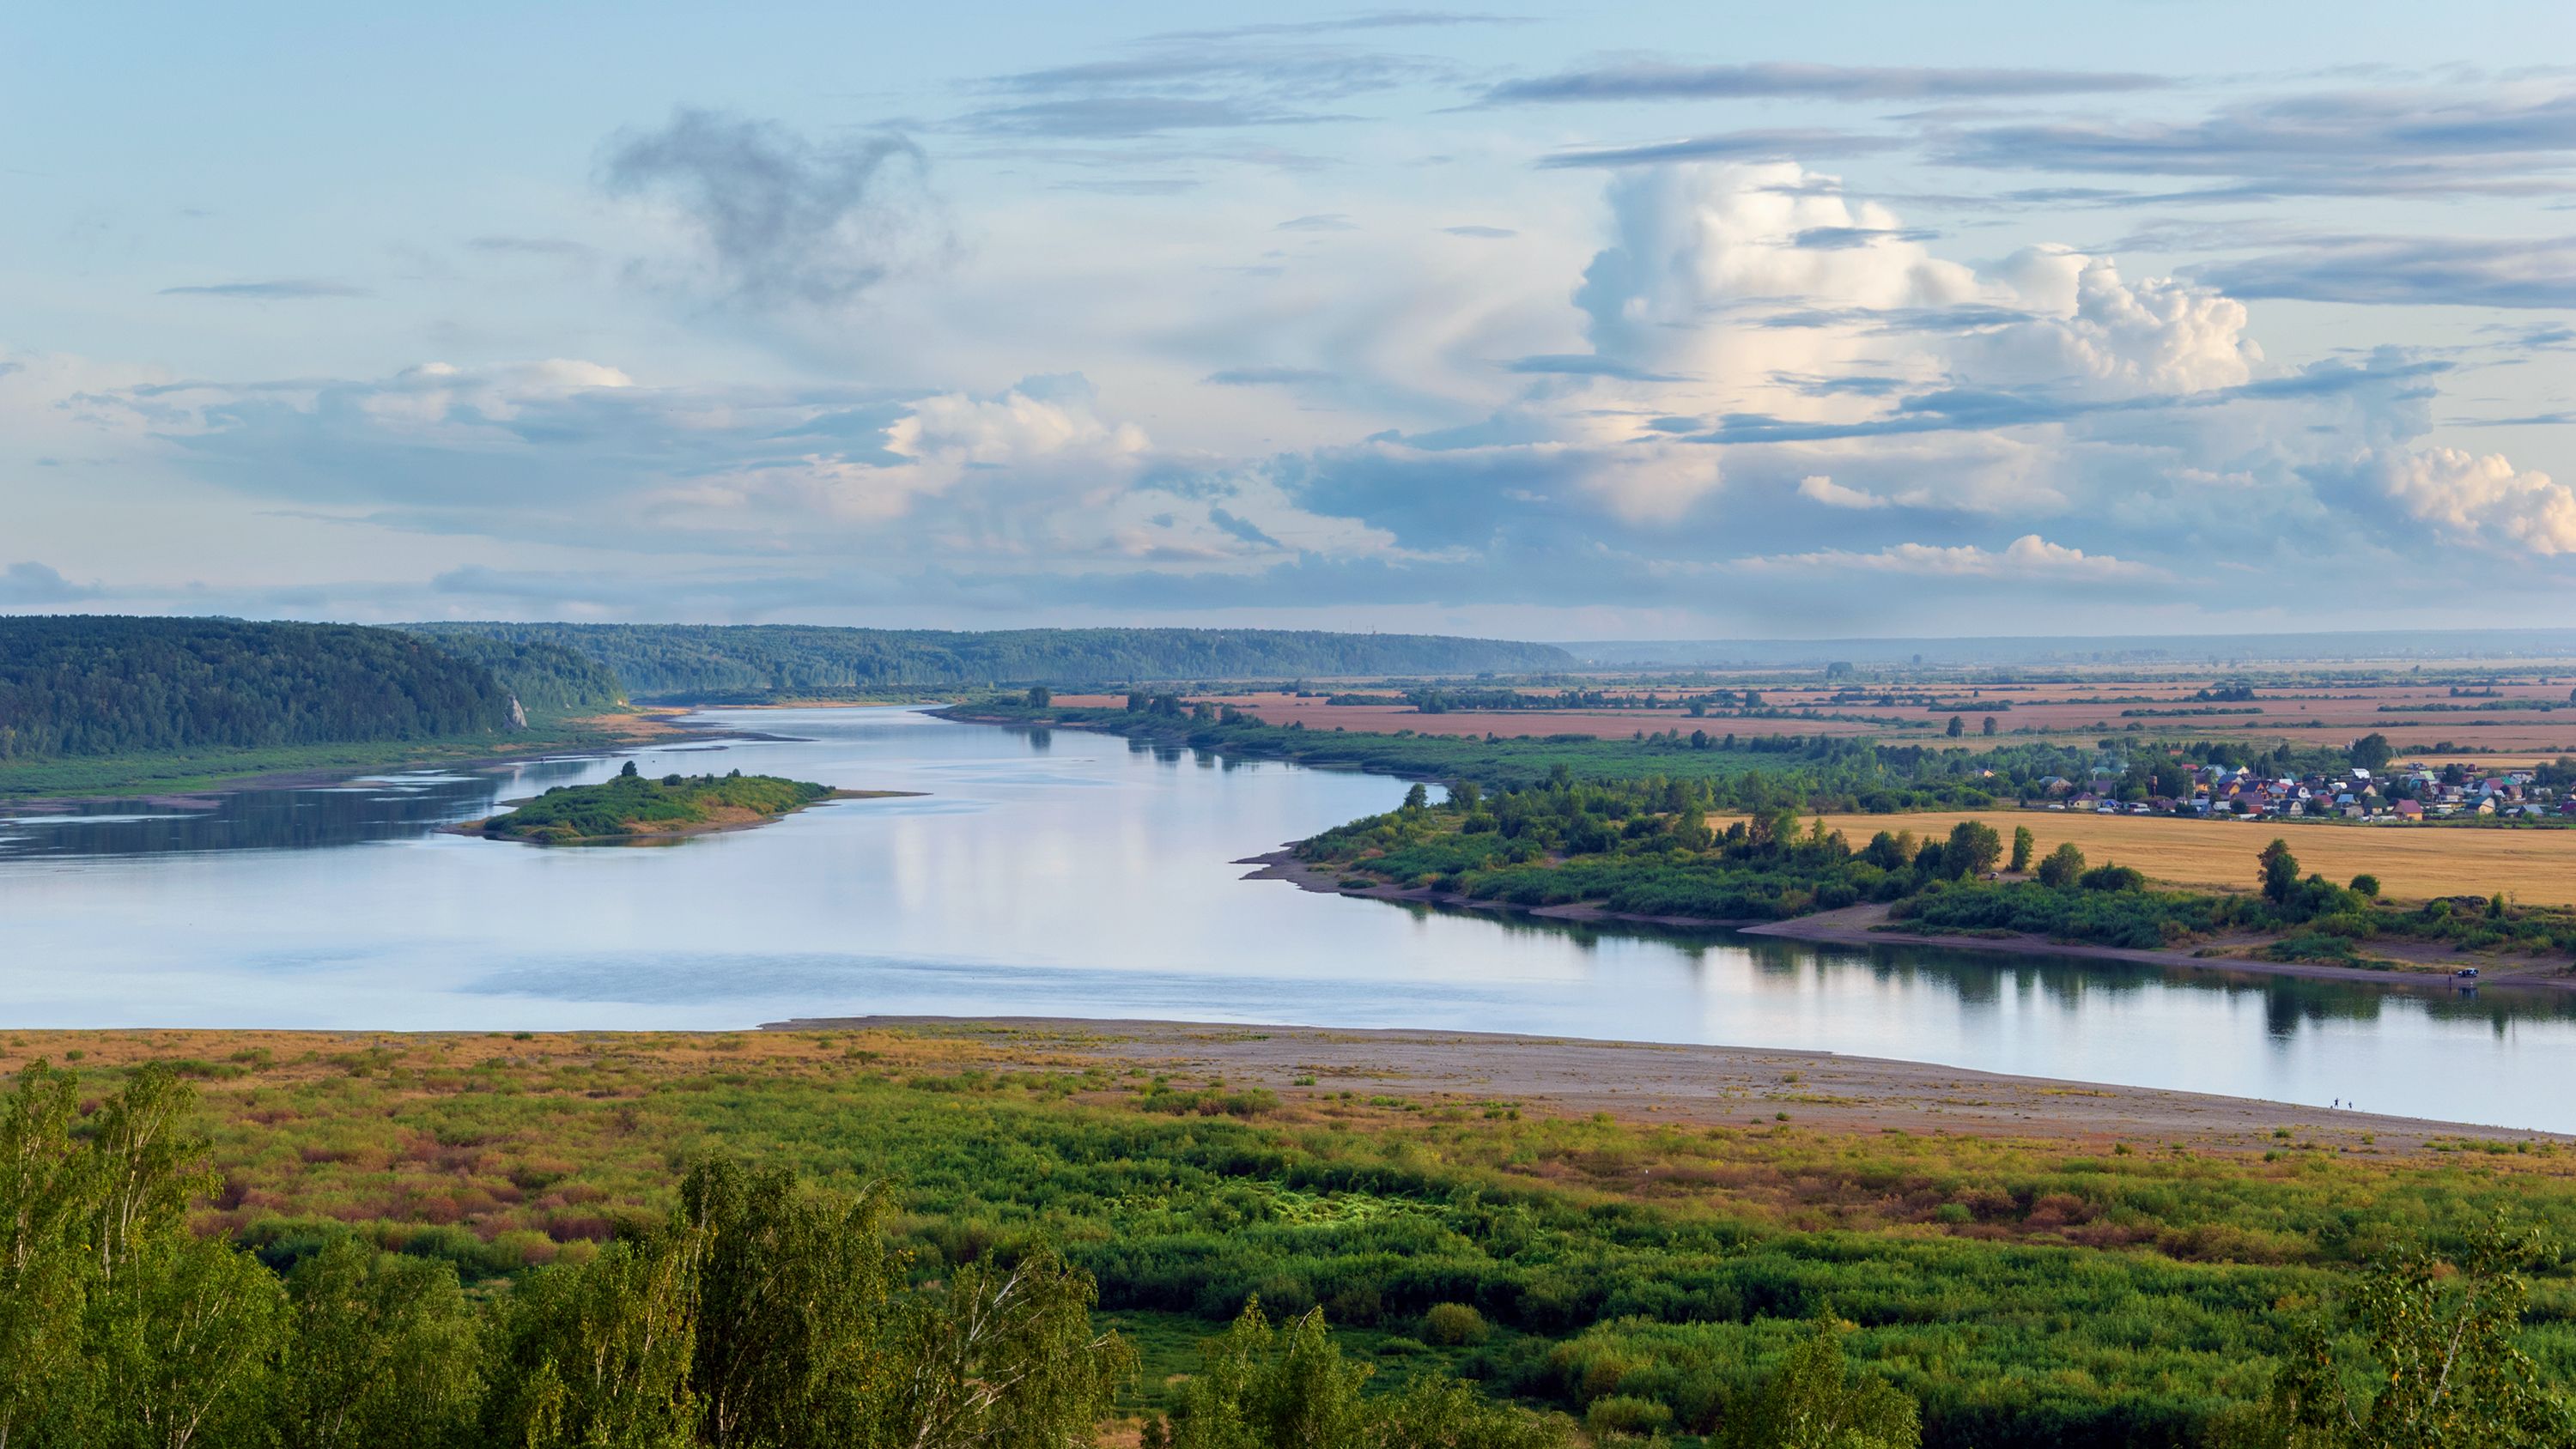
point(2413, 862)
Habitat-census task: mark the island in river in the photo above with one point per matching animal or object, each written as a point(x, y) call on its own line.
point(630, 808)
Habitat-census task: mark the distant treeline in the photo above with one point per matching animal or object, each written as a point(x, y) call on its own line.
point(94, 685)
point(711, 663)
point(547, 678)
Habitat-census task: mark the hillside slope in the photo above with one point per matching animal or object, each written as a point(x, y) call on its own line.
point(97, 685)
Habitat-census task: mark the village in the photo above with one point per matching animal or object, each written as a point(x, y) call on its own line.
point(2403, 794)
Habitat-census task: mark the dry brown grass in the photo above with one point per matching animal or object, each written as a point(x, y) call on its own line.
point(2536, 867)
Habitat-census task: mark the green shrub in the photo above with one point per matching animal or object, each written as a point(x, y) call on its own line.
point(1454, 1324)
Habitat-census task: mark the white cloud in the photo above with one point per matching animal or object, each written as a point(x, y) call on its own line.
point(1824, 490)
point(2028, 558)
point(2482, 499)
point(2102, 336)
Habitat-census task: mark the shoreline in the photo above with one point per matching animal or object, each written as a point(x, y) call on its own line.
point(1853, 926)
point(654, 731)
point(1684, 1084)
point(481, 829)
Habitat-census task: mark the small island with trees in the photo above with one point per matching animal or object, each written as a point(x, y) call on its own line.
point(633, 808)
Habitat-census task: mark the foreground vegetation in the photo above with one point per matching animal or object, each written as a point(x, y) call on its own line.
point(629, 805)
point(1634, 1275)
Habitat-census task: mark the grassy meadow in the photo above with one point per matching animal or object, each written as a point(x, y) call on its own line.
point(2028, 1292)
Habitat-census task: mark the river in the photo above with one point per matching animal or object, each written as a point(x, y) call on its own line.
point(1063, 873)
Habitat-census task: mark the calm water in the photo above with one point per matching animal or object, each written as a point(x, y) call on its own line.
point(1067, 874)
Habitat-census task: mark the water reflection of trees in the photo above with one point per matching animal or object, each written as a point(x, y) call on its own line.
point(360, 811)
point(1982, 980)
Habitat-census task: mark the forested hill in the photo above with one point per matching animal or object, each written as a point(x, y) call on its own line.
point(89, 685)
point(713, 662)
point(547, 678)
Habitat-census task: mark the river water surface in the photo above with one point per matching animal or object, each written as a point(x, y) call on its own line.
point(1065, 873)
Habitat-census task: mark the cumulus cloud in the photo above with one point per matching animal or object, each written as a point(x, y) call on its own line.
point(2106, 336)
point(2462, 497)
point(1696, 242)
point(781, 220)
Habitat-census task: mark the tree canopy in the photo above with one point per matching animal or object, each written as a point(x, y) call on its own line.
point(106, 685)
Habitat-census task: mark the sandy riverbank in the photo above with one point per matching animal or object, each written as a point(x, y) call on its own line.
point(1680, 1085)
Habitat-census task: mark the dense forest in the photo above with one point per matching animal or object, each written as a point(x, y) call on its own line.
point(547, 679)
point(712, 663)
point(90, 685)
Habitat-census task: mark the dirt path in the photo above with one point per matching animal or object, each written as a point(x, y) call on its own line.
point(1682, 1085)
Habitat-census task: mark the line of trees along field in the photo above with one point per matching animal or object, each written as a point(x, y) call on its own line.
point(96, 685)
point(711, 663)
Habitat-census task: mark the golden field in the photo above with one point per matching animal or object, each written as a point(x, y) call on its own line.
point(2531, 866)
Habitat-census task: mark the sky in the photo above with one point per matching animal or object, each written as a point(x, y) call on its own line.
point(1555, 322)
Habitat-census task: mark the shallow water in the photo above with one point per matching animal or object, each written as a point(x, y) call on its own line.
point(1069, 874)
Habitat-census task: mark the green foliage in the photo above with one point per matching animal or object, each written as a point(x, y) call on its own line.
point(1454, 1323)
point(758, 1315)
point(2023, 843)
point(97, 685)
point(120, 1329)
point(1815, 1401)
point(1973, 849)
point(546, 679)
point(630, 805)
point(1289, 1387)
point(2437, 1364)
point(2279, 871)
point(2028, 1295)
point(2063, 867)
point(705, 662)
point(383, 1351)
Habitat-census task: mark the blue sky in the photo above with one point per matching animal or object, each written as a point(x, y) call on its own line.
point(1677, 321)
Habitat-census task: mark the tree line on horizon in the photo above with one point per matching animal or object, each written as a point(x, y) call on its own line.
point(89, 685)
point(711, 663)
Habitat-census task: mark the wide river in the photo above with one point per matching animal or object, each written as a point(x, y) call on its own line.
point(1069, 874)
